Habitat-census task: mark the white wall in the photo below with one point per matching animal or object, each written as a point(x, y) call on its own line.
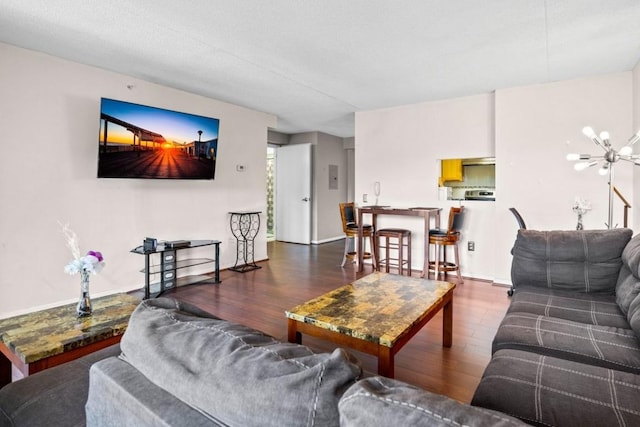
point(49, 121)
point(325, 217)
point(527, 130)
point(536, 127)
point(635, 200)
point(401, 148)
point(329, 151)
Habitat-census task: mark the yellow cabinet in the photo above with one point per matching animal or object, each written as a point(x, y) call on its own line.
point(451, 170)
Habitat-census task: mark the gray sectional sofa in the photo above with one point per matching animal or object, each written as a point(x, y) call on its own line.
point(180, 366)
point(566, 354)
point(568, 351)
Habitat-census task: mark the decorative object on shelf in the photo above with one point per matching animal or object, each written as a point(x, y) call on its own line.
point(376, 191)
point(581, 207)
point(92, 262)
point(610, 157)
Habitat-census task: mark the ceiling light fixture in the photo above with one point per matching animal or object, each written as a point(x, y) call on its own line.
point(610, 157)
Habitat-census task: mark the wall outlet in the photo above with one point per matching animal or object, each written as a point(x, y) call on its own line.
point(364, 198)
point(471, 245)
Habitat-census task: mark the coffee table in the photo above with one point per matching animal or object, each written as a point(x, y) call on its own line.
point(377, 314)
point(36, 341)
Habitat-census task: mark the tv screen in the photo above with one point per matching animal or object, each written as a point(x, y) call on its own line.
point(137, 141)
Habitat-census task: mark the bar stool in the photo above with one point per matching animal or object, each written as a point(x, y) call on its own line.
point(442, 239)
point(350, 228)
point(397, 239)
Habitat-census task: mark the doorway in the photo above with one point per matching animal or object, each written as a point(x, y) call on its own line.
point(293, 201)
point(271, 197)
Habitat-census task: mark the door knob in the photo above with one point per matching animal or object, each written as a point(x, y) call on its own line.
point(306, 199)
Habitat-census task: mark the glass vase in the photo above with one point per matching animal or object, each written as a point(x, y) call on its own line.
point(84, 305)
point(579, 226)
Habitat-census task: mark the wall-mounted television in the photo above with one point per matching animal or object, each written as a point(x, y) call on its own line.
point(138, 141)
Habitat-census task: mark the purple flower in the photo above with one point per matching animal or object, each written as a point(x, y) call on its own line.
point(96, 254)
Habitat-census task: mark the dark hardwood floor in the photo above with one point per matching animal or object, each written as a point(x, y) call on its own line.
point(296, 273)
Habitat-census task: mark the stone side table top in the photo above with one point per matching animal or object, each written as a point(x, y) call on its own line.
point(45, 333)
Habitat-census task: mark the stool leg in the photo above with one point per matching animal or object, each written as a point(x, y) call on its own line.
point(400, 257)
point(436, 271)
point(346, 251)
point(374, 259)
point(444, 262)
point(387, 255)
point(378, 252)
point(376, 255)
point(409, 253)
point(457, 260)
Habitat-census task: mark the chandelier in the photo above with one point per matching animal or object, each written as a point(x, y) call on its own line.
point(609, 158)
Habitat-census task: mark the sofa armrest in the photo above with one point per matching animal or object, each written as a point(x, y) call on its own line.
point(580, 261)
point(53, 397)
point(119, 395)
point(380, 401)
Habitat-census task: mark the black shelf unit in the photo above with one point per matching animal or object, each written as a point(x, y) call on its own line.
point(169, 265)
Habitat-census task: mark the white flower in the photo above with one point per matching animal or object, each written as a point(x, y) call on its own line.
point(581, 206)
point(92, 262)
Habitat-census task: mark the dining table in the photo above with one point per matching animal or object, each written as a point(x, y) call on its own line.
point(428, 213)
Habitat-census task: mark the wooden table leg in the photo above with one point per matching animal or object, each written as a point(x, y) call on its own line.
point(447, 324)
point(359, 243)
point(385, 362)
point(425, 265)
point(5, 370)
point(292, 332)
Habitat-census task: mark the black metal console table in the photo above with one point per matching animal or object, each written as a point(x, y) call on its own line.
point(170, 264)
point(245, 226)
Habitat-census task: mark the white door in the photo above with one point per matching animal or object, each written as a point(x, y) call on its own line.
point(293, 194)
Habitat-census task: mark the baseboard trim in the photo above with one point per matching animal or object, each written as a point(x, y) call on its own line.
point(330, 239)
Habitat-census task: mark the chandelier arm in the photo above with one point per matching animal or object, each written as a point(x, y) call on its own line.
point(629, 159)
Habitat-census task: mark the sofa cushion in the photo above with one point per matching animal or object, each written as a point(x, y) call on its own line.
point(583, 261)
point(380, 401)
point(628, 286)
point(546, 391)
point(241, 376)
point(609, 347)
point(634, 315)
point(596, 309)
point(53, 397)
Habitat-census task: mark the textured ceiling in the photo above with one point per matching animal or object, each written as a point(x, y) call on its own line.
point(314, 63)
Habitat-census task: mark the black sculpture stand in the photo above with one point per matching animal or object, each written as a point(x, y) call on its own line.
point(245, 226)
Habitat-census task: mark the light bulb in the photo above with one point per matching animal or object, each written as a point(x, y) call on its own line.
point(583, 165)
point(588, 132)
point(573, 156)
point(625, 151)
point(604, 169)
point(604, 135)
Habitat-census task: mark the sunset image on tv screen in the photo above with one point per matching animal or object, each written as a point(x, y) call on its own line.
point(138, 141)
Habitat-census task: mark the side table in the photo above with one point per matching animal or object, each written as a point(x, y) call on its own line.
point(43, 339)
point(245, 226)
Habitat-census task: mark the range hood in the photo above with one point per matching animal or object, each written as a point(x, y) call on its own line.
point(479, 161)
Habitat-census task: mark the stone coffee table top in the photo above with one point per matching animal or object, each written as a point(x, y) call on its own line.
point(379, 307)
point(41, 334)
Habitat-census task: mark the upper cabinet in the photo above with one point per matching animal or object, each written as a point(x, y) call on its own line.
point(451, 170)
point(460, 175)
